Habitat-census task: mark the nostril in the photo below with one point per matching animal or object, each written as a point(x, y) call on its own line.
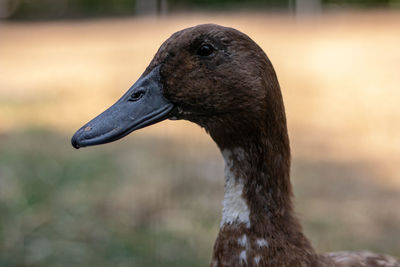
point(136, 96)
point(87, 129)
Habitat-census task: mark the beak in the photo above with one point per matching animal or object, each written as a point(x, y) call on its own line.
point(142, 105)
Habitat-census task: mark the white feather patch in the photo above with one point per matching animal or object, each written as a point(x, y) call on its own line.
point(234, 207)
point(242, 241)
point(261, 242)
point(243, 257)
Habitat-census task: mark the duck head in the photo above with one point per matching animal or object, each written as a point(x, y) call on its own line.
point(212, 75)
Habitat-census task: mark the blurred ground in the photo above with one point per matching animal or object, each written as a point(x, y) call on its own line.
point(154, 198)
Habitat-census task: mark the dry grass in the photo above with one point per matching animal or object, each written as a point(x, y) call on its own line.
point(340, 78)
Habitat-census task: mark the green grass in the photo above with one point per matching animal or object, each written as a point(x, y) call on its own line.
point(57, 208)
point(147, 201)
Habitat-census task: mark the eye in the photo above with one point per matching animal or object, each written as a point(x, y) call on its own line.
point(136, 96)
point(205, 50)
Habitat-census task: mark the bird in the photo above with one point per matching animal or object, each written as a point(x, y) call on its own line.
point(220, 79)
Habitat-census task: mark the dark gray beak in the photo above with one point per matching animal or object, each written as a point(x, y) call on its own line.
point(143, 105)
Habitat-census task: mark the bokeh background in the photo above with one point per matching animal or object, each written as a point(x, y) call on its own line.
point(154, 198)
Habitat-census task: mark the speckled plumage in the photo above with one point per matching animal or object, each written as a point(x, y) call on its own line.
point(233, 93)
point(362, 259)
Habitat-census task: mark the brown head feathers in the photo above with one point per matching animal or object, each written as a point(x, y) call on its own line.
point(220, 79)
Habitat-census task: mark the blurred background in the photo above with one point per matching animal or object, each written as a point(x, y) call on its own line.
point(154, 198)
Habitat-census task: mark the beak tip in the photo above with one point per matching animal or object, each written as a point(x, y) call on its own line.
point(74, 142)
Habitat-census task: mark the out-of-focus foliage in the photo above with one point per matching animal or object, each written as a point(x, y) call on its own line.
point(363, 3)
point(50, 9)
point(60, 9)
point(231, 4)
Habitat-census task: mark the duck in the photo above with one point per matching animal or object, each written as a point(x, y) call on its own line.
point(220, 79)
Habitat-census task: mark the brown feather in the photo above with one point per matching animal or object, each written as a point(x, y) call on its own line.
point(235, 95)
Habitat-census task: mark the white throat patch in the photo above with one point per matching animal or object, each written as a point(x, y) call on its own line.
point(234, 206)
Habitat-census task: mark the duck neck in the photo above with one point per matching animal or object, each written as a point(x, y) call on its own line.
point(258, 225)
point(257, 188)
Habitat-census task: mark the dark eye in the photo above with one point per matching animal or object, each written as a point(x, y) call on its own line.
point(136, 96)
point(205, 50)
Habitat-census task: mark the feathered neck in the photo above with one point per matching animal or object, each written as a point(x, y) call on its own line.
point(258, 225)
